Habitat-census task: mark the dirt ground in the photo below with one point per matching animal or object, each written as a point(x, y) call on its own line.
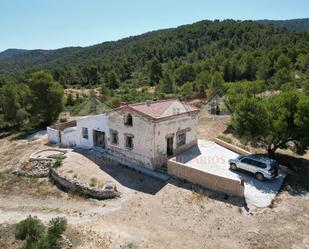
point(151, 213)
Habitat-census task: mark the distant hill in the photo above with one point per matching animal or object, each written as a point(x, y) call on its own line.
point(234, 48)
point(11, 52)
point(293, 24)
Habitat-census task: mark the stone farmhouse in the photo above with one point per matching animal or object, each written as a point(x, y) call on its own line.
point(146, 134)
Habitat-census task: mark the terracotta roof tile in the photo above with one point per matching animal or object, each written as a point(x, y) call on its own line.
point(155, 109)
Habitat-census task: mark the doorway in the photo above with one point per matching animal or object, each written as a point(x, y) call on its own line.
point(169, 146)
point(99, 139)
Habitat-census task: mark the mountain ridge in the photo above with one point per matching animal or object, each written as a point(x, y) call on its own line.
point(130, 58)
point(11, 52)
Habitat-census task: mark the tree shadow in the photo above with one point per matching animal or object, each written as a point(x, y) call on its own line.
point(297, 181)
point(6, 133)
point(229, 130)
point(17, 135)
point(127, 177)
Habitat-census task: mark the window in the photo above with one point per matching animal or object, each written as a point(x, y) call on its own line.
point(85, 132)
point(246, 160)
point(260, 164)
point(114, 137)
point(128, 120)
point(181, 139)
point(129, 142)
point(254, 163)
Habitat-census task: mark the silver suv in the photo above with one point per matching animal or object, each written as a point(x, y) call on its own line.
point(261, 167)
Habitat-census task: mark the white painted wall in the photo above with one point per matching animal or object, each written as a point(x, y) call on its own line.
point(53, 135)
point(68, 137)
point(97, 122)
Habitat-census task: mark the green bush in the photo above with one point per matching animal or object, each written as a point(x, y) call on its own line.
point(34, 233)
point(57, 226)
point(93, 182)
point(63, 120)
point(225, 138)
point(114, 102)
point(31, 228)
point(58, 162)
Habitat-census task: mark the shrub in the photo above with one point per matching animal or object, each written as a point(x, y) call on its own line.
point(114, 102)
point(56, 227)
point(30, 229)
point(33, 231)
point(93, 182)
point(225, 138)
point(63, 120)
point(58, 162)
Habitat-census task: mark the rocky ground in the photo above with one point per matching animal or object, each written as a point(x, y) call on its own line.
point(152, 214)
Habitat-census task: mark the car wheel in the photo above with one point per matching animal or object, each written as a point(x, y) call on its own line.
point(233, 166)
point(259, 176)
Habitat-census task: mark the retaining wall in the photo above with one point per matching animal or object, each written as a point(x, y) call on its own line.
point(210, 181)
point(231, 147)
point(76, 186)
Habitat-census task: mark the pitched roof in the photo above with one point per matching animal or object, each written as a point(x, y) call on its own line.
point(156, 109)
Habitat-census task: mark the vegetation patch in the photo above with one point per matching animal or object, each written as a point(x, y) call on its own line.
point(274, 122)
point(37, 236)
point(58, 162)
point(225, 138)
point(93, 182)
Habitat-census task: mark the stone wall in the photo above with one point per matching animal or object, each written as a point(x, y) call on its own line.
point(210, 181)
point(33, 168)
point(142, 132)
point(76, 186)
point(43, 167)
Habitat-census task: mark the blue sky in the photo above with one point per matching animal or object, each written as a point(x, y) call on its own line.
point(50, 24)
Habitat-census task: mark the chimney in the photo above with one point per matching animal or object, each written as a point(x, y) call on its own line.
point(147, 102)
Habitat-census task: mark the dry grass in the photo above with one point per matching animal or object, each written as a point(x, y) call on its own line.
point(100, 183)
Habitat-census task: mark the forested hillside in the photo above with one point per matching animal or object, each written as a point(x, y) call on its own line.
point(239, 50)
point(11, 52)
point(187, 61)
point(301, 24)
